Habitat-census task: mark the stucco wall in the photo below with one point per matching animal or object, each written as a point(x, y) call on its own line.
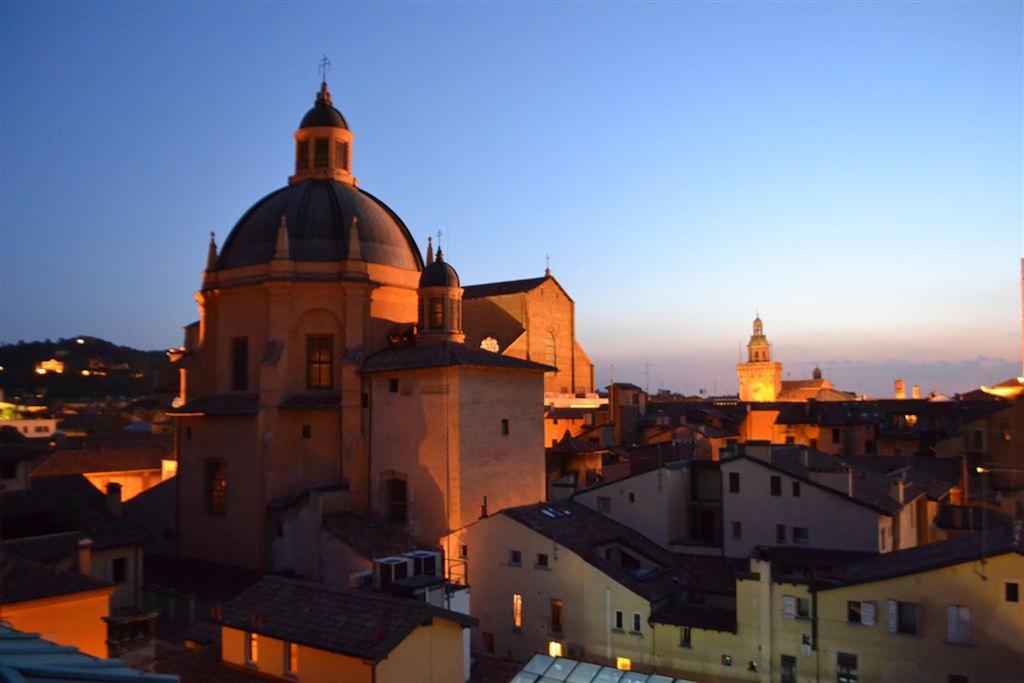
point(75, 620)
point(833, 521)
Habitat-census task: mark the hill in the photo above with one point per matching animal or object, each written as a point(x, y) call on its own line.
point(81, 368)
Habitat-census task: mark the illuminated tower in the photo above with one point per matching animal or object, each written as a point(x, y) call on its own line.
point(760, 377)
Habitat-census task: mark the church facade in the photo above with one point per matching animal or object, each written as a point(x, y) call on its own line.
point(330, 352)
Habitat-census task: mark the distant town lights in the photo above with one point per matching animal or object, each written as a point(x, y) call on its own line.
point(85, 373)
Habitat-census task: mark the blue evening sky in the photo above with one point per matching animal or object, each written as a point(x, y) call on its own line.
point(854, 171)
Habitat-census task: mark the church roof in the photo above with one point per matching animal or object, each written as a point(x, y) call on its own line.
point(440, 273)
point(326, 220)
point(444, 354)
point(506, 287)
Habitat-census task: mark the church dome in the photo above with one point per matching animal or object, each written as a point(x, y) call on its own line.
point(320, 216)
point(439, 274)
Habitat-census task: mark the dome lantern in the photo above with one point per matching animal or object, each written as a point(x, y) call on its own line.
point(323, 143)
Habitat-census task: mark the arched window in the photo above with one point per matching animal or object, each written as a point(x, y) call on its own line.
point(397, 492)
point(550, 356)
point(489, 344)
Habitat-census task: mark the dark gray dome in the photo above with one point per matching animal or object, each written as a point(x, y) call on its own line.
point(323, 112)
point(439, 274)
point(319, 216)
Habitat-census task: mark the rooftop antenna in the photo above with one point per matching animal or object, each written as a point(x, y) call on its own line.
point(325, 64)
point(647, 373)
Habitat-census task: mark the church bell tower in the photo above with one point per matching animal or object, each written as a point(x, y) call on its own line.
point(760, 377)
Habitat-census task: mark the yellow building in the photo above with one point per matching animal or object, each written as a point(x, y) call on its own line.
point(283, 629)
point(65, 607)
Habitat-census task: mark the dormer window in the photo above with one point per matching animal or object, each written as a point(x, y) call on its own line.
point(320, 153)
point(301, 155)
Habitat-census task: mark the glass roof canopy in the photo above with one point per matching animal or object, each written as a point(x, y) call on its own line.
point(547, 669)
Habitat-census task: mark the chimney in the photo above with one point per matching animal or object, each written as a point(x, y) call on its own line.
point(917, 391)
point(84, 559)
point(114, 499)
point(901, 389)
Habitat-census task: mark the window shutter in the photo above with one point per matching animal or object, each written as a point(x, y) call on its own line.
point(951, 623)
point(867, 613)
point(788, 607)
point(964, 624)
point(892, 615)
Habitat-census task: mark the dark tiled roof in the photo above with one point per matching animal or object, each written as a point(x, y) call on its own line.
point(499, 288)
point(791, 564)
point(69, 503)
point(999, 541)
point(568, 413)
point(371, 537)
point(696, 616)
point(348, 622)
point(102, 459)
point(444, 354)
point(587, 533)
point(244, 403)
point(27, 658)
point(328, 399)
point(23, 580)
point(46, 548)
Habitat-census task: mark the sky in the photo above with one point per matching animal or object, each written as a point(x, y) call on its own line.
point(853, 171)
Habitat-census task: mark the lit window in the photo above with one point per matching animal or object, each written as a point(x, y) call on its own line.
point(319, 361)
point(623, 663)
point(489, 344)
point(252, 648)
point(291, 659)
point(517, 610)
point(555, 648)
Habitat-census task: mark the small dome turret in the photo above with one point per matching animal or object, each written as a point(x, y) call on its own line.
point(323, 112)
point(439, 273)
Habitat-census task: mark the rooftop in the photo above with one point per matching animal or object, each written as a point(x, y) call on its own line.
point(444, 354)
point(506, 287)
point(999, 541)
point(24, 580)
point(353, 623)
point(588, 533)
point(28, 658)
point(371, 537)
point(100, 458)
